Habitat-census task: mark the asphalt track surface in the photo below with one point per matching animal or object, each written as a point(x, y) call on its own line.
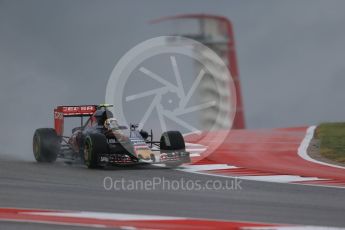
point(73, 187)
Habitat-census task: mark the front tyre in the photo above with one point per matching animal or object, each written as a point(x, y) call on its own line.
point(95, 144)
point(46, 145)
point(172, 141)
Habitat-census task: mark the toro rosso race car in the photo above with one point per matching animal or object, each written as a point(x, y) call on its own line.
point(101, 141)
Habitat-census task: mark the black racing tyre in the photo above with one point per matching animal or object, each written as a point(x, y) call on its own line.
point(46, 145)
point(95, 144)
point(172, 141)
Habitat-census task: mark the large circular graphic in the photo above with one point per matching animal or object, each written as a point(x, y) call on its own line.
point(175, 83)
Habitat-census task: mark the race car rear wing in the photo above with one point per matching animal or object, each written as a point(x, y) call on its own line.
point(61, 112)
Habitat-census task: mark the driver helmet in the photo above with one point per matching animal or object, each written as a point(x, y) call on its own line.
point(111, 124)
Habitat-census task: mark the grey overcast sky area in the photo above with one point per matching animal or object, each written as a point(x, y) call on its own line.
point(291, 57)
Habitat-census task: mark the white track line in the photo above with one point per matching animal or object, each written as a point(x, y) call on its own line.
point(195, 150)
point(303, 153)
point(196, 168)
point(280, 178)
point(271, 178)
point(104, 215)
point(290, 179)
point(287, 179)
point(195, 145)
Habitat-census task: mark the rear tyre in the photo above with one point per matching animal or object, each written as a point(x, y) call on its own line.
point(46, 145)
point(94, 145)
point(172, 141)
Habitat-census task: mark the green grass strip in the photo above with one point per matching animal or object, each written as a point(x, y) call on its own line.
point(332, 140)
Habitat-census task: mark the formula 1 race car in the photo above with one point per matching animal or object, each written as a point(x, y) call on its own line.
point(101, 141)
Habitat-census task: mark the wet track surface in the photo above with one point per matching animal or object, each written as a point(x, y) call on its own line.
point(15, 226)
point(73, 187)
